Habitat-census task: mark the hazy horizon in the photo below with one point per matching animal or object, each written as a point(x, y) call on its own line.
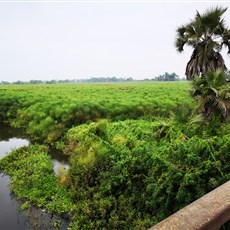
point(64, 40)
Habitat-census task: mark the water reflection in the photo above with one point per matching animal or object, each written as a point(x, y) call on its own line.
point(59, 160)
point(7, 132)
point(11, 217)
point(11, 144)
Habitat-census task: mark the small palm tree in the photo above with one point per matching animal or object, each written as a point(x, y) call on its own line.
point(213, 94)
point(207, 34)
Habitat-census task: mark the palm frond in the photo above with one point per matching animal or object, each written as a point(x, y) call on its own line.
point(222, 107)
point(179, 44)
point(226, 39)
point(220, 28)
point(181, 30)
point(212, 92)
point(212, 17)
point(207, 34)
point(198, 119)
point(193, 68)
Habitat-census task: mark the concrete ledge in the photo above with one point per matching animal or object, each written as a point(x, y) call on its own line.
point(207, 213)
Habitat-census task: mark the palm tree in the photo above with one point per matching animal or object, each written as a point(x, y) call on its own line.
point(207, 34)
point(213, 94)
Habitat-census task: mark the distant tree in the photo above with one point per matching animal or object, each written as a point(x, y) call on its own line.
point(5, 82)
point(129, 79)
point(35, 82)
point(65, 81)
point(206, 34)
point(19, 82)
point(51, 82)
point(167, 77)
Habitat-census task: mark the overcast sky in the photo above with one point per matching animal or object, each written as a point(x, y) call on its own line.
point(75, 40)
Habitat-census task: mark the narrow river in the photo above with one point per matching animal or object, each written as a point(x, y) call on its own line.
point(11, 217)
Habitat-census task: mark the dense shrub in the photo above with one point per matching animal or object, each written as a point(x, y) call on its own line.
point(124, 176)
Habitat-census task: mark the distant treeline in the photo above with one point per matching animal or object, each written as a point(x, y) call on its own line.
point(165, 77)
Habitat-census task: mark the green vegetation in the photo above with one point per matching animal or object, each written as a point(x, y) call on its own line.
point(138, 152)
point(130, 175)
point(213, 95)
point(48, 111)
point(33, 179)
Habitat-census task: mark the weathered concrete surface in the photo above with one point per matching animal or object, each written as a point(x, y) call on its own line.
point(207, 213)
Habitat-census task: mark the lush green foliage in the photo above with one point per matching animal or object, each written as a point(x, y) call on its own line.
point(138, 152)
point(48, 111)
point(213, 95)
point(130, 175)
point(33, 179)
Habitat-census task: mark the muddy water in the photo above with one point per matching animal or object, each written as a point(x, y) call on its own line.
point(11, 217)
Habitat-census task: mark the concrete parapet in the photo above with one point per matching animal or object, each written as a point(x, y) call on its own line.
point(207, 213)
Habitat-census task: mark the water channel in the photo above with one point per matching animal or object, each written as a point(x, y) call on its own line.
point(11, 217)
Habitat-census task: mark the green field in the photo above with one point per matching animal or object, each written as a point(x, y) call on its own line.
point(138, 151)
point(47, 111)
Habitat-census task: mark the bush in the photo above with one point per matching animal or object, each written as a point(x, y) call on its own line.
point(123, 176)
